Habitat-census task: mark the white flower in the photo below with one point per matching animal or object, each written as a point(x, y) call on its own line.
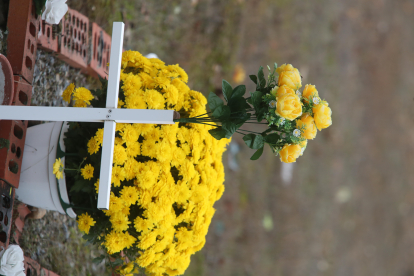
point(272, 104)
point(315, 100)
point(55, 10)
point(281, 121)
point(298, 93)
point(11, 262)
point(296, 133)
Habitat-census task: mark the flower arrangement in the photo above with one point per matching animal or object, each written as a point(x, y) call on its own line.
point(292, 116)
point(165, 178)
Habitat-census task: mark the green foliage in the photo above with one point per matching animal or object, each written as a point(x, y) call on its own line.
point(218, 133)
point(272, 138)
point(257, 154)
point(227, 90)
point(253, 78)
point(39, 5)
point(262, 81)
point(222, 112)
point(214, 101)
point(238, 91)
point(254, 141)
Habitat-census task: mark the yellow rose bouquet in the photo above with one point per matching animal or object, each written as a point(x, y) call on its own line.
point(292, 116)
point(165, 178)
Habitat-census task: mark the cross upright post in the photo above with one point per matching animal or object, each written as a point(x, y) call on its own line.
point(109, 125)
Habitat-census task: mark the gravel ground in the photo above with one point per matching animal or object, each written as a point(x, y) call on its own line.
point(51, 77)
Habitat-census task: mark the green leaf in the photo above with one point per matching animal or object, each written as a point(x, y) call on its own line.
point(240, 119)
point(117, 262)
point(214, 101)
point(253, 78)
point(257, 154)
point(261, 113)
point(238, 92)
point(227, 90)
point(237, 105)
point(253, 141)
point(218, 133)
point(272, 138)
point(262, 81)
point(79, 185)
point(256, 100)
point(222, 112)
point(39, 5)
point(230, 128)
point(98, 260)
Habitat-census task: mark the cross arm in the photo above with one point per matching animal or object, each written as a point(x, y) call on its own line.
point(78, 114)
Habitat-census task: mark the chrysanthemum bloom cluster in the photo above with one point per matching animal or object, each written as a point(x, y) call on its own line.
point(304, 111)
point(165, 178)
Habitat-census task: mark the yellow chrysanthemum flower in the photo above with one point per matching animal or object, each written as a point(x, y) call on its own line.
point(58, 169)
point(99, 136)
point(115, 242)
point(118, 175)
point(68, 92)
point(120, 155)
point(119, 222)
point(82, 94)
point(154, 99)
point(133, 149)
point(87, 171)
point(129, 134)
point(129, 195)
point(93, 146)
point(85, 222)
point(135, 101)
point(97, 186)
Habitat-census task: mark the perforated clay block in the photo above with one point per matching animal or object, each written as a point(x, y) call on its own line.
point(74, 41)
point(48, 40)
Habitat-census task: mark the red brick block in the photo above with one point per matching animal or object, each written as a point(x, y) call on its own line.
point(47, 41)
point(14, 134)
point(23, 211)
point(23, 26)
point(101, 50)
point(19, 224)
point(74, 41)
point(22, 92)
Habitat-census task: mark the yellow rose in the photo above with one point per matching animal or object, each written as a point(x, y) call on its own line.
point(309, 128)
point(274, 91)
point(289, 106)
point(290, 153)
point(322, 115)
point(290, 76)
point(309, 92)
point(284, 90)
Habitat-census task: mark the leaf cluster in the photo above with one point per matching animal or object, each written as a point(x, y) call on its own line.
point(231, 116)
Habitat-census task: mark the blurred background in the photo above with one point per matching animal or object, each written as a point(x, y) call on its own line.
point(346, 207)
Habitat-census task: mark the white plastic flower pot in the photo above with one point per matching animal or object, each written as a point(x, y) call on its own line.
point(38, 185)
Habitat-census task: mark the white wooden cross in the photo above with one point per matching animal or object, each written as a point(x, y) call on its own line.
point(109, 115)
